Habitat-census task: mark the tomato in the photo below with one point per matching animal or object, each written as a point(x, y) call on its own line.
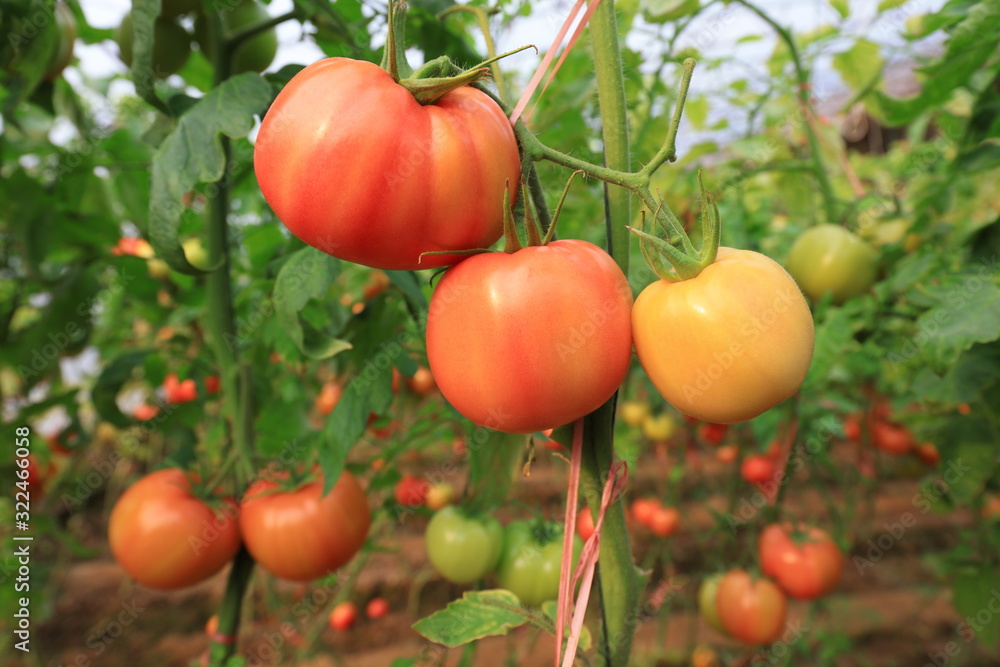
point(704, 656)
point(928, 453)
point(377, 608)
point(532, 560)
point(171, 45)
point(62, 50)
point(377, 283)
point(663, 522)
point(991, 508)
point(729, 344)
point(584, 523)
point(195, 253)
point(806, 563)
point(344, 616)
point(516, 358)
point(398, 178)
point(411, 491)
point(165, 537)
point(659, 428)
point(463, 548)
point(212, 385)
point(892, 439)
point(727, 454)
point(713, 434)
point(707, 602)
point(212, 625)
point(254, 54)
point(831, 259)
point(422, 383)
point(328, 397)
point(758, 469)
point(145, 412)
point(175, 391)
point(300, 534)
point(439, 495)
point(643, 510)
point(634, 413)
point(751, 610)
point(133, 247)
point(852, 427)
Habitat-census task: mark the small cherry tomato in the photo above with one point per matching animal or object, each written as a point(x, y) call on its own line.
point(343, 616)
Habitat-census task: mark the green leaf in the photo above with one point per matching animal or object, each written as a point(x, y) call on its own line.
point(843, 7)
point(968, 314)
point(964, 382)
point(860, 64)
point(886, 5)
point(306, 275)
point(975, 595)
point(193, 154)
point(116, 373)
point(661, 11)
point(478, 614)
point(984, 157)
point(551, 610)
point(965, 53)
point(345, 425)
point(409, 284)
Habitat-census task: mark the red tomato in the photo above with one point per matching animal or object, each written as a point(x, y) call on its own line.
point(663, 522)
point(377, 608)
point(356, 167)
point(514, 357)
point(301, 535)
point(584, 524)
point(643, 510)
point(758, 469)
point(343, 616)
point(212, 385)
point(727, 453)
point(422, 383)
point(713, 434)
point(411, 491)
point(145, 412)
point(806, 563)
point(750, 610)
point(134, 247)
point(212, 625)
point(928, 453)
point(175, 391)
point(892, 439)
point(852, 427)
point(165, 537)
point(745, 330)
point(328, 397)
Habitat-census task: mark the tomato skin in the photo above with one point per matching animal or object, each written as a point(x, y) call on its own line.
point(377, 608)
point(301, 535)
point(411, 491)
point(463, 549)
point(516, 357)
point(664, 521)
point(829, 258)
point(745, 330)
point(344, 616)
point(530, 565)
point(758, 469)
point(892, 439)
point(707, 602)
point(398, 178)
point(751, 610)
point(584, 523)
point(166, 538)
point(806, 570)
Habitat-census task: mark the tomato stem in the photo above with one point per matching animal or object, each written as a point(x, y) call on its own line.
point(482, 15)
point(232, 601)
point(394, 58)
point(668, 152)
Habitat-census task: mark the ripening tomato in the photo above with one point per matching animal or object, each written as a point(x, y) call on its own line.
point(212, 626)
point(704, 656)
point(852, 427)
point(727, 454)
point(411, 491)
point(344, 616)
point(398, 178)
point(751, 610)
point(516, 358)
point(664, 521)
point(422, 383)
point(643, 510)
point(212, 385)
point(928, 453)
point(729, 344)
point(805, 562)
point(377, 608)
point(829, 258)
point(707, 602)
point(758, 469)
point(145, 412)
point(463, 548)
point(176, 391)
point(892, 439)
point(634, 413)
point(659, 428)
point(584, 523)
point(713, 434)
point(165, 537)
point(301, 534)
point(439, 495)
point(329, 396)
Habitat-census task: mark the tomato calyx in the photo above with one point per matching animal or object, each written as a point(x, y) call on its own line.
point(685, 261)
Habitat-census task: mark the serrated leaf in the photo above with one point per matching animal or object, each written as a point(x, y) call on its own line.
point(478, 614)
point(843, 7)
point(860, 64)
point(968, 315)
point(109, 383)
point(306, 275)
point(193, 154)
point(975, 595)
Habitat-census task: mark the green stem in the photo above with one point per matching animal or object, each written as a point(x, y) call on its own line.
point(618, 579)
point(802, 79)
point(668, 152)
point(229, 611)
point(483, 19)
point(245, 33)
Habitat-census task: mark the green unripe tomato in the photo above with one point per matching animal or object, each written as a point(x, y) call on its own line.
point(195, 253)
point(254, 54)
point(707, 603)
point(171, 45)
point(462, 548)
point(532, 560)
point(62, 54)
point(829, 258)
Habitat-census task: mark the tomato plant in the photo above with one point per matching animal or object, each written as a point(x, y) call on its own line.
point(829, 259)
point(411, 491)
point(531, 560)
point(804, 561)
point(463, 548)
point(402, 189)
point(165, 537)
point(746, 332)
point(751, 610)
point(517, 359)
point(299, 534)
point(252, 55)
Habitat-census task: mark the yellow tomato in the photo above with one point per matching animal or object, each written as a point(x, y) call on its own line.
point(634, 413)
point(658, 428)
